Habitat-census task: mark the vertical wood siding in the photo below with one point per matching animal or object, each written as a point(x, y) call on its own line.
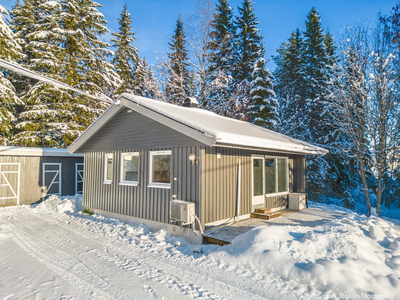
point(140, 201)
point(219, 182)
point(212, 184)
point(31, 176)
point(131, 129)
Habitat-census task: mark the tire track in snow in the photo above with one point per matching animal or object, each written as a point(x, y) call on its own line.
point(179, 265)
point(49, 255)
point(150, 265)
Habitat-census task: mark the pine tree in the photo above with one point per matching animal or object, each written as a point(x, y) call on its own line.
point(248, 40)
point(262, 110)
point(126, 59)
point(178, 85)
point(10, 51)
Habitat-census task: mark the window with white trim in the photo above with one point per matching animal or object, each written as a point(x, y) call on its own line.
point(108, 168)
point(160, 168)
point(276, 175)
point(130, 168)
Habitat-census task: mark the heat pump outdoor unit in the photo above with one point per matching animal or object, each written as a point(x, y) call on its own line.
point(182, 211)
point(297, 201)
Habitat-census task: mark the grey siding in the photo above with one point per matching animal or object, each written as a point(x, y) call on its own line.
point(140, 201)
point(31, 177)
point(219, 182)
point(131, 129)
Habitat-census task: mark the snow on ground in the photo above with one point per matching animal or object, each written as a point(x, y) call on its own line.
point(54, 251)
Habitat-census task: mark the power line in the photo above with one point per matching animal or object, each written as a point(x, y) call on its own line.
point(16, 68)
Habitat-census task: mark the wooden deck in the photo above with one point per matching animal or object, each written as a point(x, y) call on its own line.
point(224, 234)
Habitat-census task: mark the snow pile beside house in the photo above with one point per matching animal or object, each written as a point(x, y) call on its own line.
point(72, 204)
point(350, 255)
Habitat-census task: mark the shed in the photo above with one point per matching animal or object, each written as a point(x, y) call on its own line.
point(140, 154)
point(29, 174)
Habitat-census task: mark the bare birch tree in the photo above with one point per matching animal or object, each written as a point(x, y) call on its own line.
point(365, 104)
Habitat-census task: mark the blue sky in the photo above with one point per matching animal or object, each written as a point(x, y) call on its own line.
point(154, 20)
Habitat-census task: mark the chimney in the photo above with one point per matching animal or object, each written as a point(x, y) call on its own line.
point(190, 102)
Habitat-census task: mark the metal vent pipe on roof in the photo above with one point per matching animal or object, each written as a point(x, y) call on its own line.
point(190, 102)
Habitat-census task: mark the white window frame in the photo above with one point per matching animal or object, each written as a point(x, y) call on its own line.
point(158, 184)
point(106, 156)
point(276, 175)
point(125, 182)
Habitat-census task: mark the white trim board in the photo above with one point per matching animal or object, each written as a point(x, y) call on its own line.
point(35, 151)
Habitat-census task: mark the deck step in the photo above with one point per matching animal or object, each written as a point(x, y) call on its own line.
point(263, 210)
point(265, 216)
point(211, 240)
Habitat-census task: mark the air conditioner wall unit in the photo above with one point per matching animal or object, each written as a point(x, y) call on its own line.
point(297, 201)
point(182, 211)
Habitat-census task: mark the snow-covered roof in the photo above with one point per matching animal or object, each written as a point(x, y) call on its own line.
point(35, 151)
point(204, 126)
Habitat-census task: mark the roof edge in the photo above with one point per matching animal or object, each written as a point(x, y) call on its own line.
point(36, 151)
point(319, 152)
point(195, 134)
point(112, 110)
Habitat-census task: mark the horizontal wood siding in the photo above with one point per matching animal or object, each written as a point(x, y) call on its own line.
point(140, 201)
point(132, 130)
point(31, 176)
point(219, 182)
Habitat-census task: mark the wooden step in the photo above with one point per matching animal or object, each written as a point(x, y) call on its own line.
point(265, 216)
point(211, 240)
point(263, 210)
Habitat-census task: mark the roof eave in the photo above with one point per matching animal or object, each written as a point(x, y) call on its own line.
point(318, 152)
point(107, 115)
point(171, 123)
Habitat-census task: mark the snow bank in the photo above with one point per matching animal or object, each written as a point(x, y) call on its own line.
point(72, 204)
point(350, 255)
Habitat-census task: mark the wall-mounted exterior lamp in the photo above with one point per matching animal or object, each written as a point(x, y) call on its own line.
point(193, 159)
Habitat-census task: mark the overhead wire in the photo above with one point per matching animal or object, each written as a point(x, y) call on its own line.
point(16, 68)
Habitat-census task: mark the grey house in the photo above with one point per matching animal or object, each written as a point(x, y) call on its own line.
point(29, 174)
point(141, 153)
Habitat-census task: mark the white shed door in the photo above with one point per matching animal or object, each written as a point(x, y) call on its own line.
point(51, 179)
point(9, 183)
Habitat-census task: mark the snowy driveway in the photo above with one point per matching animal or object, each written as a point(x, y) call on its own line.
point(60, 256)
point(52, 251)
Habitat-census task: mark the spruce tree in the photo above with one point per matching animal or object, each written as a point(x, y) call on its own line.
point(263, 104)
point(10, 51)
point(126, 59)
point(290, 87)
point(42, 121)
point(222, 38)
point(24, 19)
point(221, 48)
point(178, 85)
point(85, 65)
point(315, 60)
point(64, 44)
point(248, 42)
